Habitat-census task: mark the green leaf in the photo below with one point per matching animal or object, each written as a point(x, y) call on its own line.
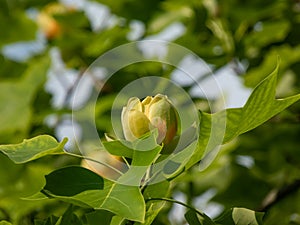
point(193, 218)
point(98, 43)
point(127, 149)
point(289, 55)
point(34, 148)
point(260, 107)
point(69, 217)
point(22, 25)
point(3, 222)
point(16, 97)
point(114, 197)
point(246, 216)
point(72, 180)
point(260, 39)
point(118, 220)
point(158, 190)
point(143, 151)
point(141, 162)
point(224, 126)
point(240, 216)
point(51, 220)
point(117, 148)
point(179, 143)
point(14, 69)
point(104, 216)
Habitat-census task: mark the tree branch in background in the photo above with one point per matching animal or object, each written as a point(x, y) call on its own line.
point(276, 196)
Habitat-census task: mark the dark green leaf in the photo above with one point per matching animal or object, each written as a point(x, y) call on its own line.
point(72, 180)
point(69, 217)
point(194, 218)
point(191, 218)
point(104, 216)
point(51, 220)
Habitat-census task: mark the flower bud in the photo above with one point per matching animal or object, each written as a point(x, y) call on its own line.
point(138, 118)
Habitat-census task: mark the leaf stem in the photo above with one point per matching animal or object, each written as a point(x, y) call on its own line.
point(126, 162)
point(177, 202)
point(93, 160)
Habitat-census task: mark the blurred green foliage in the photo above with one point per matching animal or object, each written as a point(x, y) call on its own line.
point(220, 32)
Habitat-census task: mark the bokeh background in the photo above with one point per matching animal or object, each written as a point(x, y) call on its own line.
point(46, 45)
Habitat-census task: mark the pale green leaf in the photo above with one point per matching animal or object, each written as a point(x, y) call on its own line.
point(116, 198)
point(260, 107)
point(34, 148)
point(240, 216)
point(141, 162)
point(116, 147)
point(222, 127)
point(158, 190)
point(118, 220)
point(246, 216)
point(143, 151)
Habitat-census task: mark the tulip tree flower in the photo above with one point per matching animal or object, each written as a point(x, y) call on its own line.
point(140, 117)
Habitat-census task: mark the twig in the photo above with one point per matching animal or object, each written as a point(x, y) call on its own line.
point(93, 160)
point(177, 202)
point(71, 89)
point(276, 196)
point(5, 214)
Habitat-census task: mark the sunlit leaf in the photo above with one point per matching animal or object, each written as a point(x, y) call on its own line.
point(222, 127)
point(158, 190)
point(141, 162)
point(116, 198)
point(240, 216)
point(260, 107)
point(34, 148)
point(117, 148)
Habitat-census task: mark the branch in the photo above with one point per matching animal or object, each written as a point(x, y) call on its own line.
point(275, 196)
